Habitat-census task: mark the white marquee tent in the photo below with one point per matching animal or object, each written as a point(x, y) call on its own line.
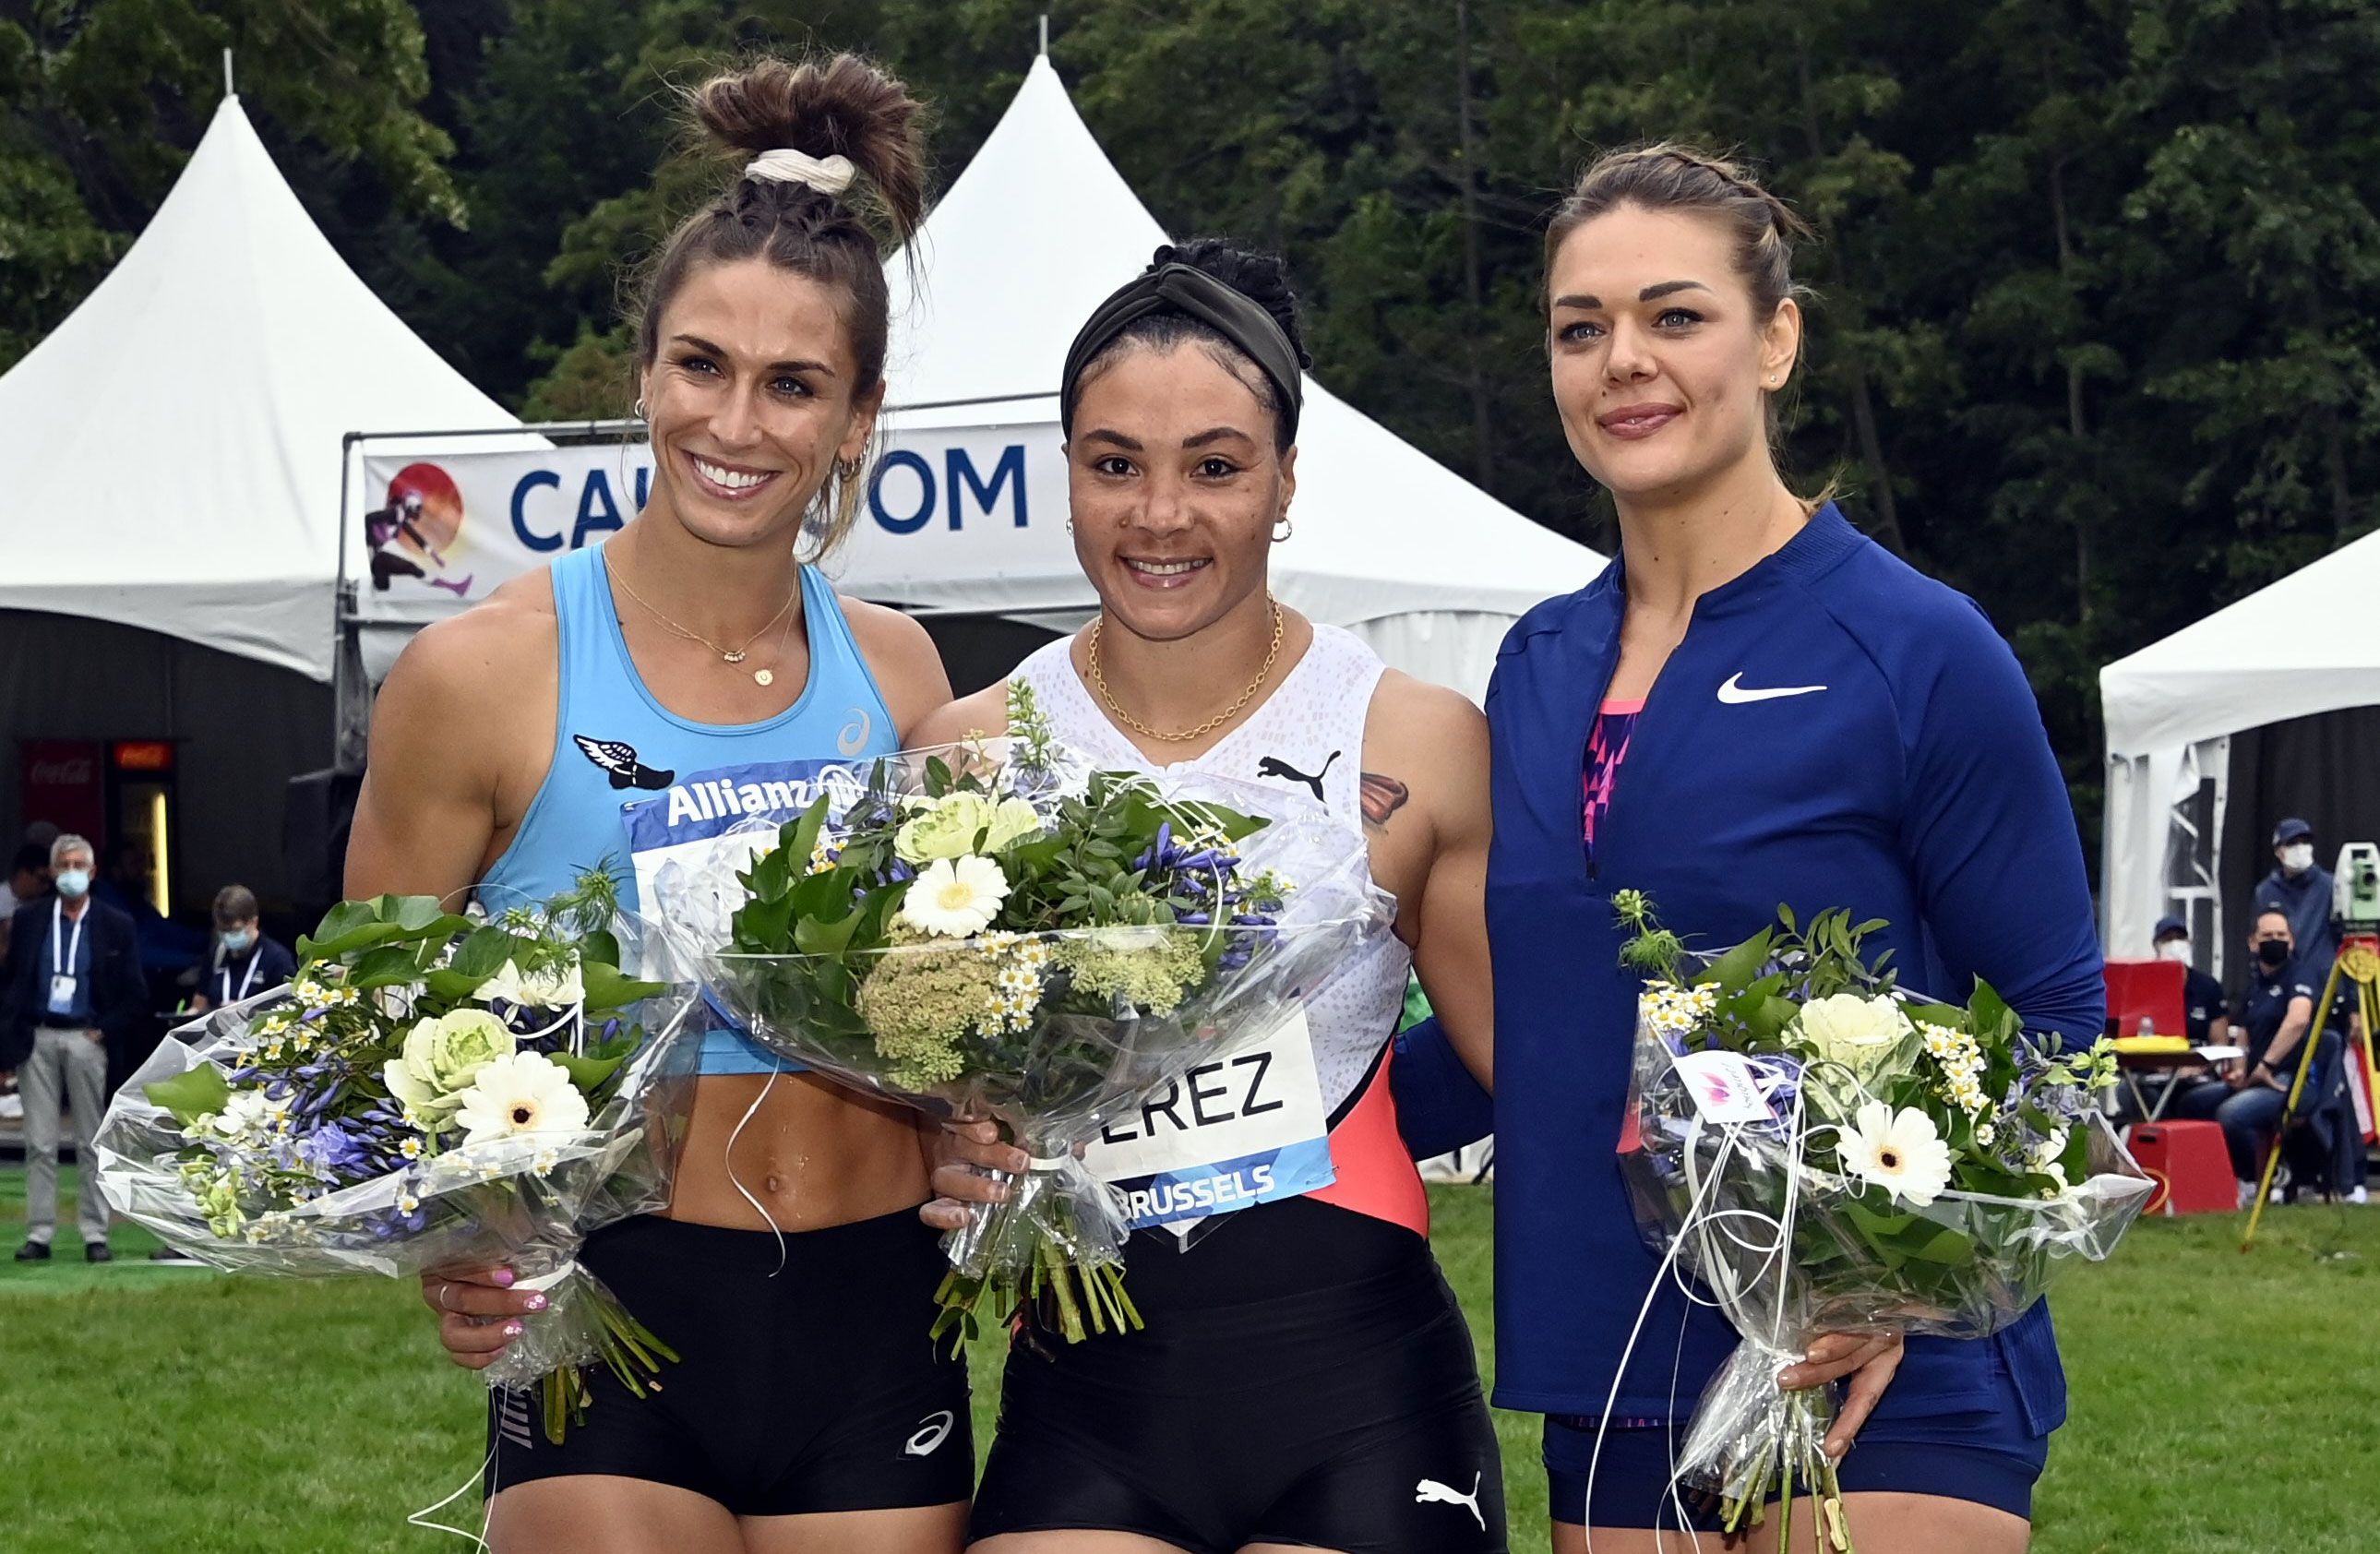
point(1038, 229)
point(2306, 645)
point(172, 447)
point(171, 455)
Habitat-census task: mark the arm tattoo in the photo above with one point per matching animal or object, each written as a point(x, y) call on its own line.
point(1383, 797)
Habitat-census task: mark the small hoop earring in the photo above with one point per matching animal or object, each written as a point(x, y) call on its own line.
point(1283, 530)
point(640, 407)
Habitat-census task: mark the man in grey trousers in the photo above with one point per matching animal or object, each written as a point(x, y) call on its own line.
point(74, 984)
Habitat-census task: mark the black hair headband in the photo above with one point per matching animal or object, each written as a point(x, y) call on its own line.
point(1182, 288)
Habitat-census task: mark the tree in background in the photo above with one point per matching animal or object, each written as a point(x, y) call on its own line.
point(2093, 336)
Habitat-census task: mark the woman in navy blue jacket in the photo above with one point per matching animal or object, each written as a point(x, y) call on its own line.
point(1754, 704)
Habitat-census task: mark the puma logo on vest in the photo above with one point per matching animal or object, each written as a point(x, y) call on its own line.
point(1274, 766)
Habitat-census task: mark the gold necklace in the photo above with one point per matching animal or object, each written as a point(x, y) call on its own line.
point(730, 655)
point(1091, 654)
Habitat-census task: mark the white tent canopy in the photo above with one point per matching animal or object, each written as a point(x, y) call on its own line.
point(171, 446)
point(1036, 232)
point(2307, 644)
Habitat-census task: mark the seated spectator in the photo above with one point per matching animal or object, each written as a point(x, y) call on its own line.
point(2201, 996)
point(245, 963)
point(2274, 1013)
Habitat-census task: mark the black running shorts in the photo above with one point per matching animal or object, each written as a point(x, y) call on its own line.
point(806, 1389)
point(1305, 1378)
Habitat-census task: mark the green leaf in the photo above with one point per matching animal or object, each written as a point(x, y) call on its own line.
point(483, 955)
point(192, 1094)
point(814, 936)
point(389, 965)
point(609, 988)
point(590, 1071)
point(1735, 970)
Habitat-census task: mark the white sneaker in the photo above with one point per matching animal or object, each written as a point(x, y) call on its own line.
point(2247, 1194)
point(12, 1106)
point(2358, 1196)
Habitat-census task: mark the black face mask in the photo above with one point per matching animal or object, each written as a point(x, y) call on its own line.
point(2273, 952)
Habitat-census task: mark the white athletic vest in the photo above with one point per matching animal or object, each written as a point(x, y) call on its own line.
point(1309, 734)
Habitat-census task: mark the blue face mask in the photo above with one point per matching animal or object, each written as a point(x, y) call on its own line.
point(237, 940)
point(73, 882)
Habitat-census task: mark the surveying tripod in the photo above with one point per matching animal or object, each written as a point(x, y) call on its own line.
point(2358, 961)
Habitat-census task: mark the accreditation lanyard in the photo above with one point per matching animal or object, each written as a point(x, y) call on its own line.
point(255, 953)
point(57, 928)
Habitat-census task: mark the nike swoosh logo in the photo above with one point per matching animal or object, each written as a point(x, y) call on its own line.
point(1734, 695)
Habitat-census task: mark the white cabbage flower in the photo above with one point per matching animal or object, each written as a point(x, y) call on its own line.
point(540, 990)
point(1903, 1153)
point(1862, 1034)
point(956, 897)
point(441, 1057)
point(525, 1092)
point(948, 827)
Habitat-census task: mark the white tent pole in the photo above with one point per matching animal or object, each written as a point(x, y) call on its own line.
point(1044, 34)
point(229, 89)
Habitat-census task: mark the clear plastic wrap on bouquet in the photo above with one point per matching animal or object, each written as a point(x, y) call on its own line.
point(1719, 1169)
point(1088, 1019)
point(526, 1200)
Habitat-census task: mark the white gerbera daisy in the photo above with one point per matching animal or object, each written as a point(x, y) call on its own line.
point(525, 1092)
point(956, 897)
point(1904, 1153)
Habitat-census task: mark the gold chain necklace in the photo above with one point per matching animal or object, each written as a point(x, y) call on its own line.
point(730, 655)
point(1091, 654)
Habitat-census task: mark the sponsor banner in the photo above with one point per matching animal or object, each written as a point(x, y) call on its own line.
point(1245, 1127)
point(688, 840)
point(439, 533)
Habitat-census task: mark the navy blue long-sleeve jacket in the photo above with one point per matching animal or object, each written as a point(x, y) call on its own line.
point(1904, 775)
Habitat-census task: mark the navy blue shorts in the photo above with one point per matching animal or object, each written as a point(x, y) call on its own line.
point(1985, 1455)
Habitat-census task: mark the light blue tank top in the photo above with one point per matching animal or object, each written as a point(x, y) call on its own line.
point(615, 744)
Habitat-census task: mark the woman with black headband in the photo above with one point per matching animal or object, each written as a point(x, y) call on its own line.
point(1305, 1379)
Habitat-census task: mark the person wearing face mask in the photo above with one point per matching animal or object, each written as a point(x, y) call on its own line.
point(245, 963)
point(74, 986)
point(2202, 995)
point(2300, 888)
point(2274, 1013)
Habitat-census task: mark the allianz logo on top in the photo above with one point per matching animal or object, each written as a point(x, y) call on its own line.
point(909, 491)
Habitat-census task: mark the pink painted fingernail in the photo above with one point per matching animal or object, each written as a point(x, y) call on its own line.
point(504, 1277)
point(536, 1301)
point(512, 1330)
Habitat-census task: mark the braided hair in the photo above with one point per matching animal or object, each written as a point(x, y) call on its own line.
point(1671, 177)
point(839, 107)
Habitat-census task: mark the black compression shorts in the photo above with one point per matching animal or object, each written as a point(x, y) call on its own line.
point(814, 1389)
point(1305, 1378)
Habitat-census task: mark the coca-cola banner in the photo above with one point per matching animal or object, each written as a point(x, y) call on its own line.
point(65, 782)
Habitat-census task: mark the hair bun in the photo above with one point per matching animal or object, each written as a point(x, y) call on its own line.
point(844, 106)
point(1260, 276)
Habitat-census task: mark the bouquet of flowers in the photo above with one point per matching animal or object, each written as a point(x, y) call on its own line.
point(428, 1091)
point(1824, 1152)
point(996, 930)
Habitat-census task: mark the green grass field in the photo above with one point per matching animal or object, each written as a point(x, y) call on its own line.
point(2222, 1402)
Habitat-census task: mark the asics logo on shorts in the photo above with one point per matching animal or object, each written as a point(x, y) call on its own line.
point(1430, 1491)
point(937, 1427)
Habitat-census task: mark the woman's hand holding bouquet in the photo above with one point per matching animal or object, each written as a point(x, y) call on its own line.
point(1830, 1155)
point(428, 1092)
point(994, 931)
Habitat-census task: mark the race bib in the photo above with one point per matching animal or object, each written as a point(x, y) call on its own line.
point(1244, 1127)
point(686, 845)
